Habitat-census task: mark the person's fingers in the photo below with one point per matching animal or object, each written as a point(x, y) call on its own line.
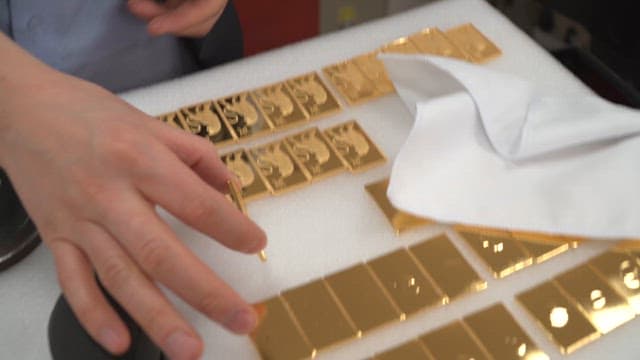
point(198, 30)
point(79, 286)
point(142, 300)
point(146, 9)
point(187, 14)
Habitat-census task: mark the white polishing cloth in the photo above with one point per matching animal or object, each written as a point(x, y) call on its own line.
point(488, 148)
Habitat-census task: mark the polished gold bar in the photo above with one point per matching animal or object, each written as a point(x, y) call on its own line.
point(173, 119)
point(560, 317)
point(279, 167)
point(319, 315)
point(498, 249)
point(468, 38)
point(622, 271)
point(605, 308)
point(351, 83)
point(279, 106)
point(253, 184)
point(373, 68)
point(433, 41)
point(313, 95)
point(501, 335)
point(453, 341)
point(447, 267)
point(204, 120)
point(243, 116)
point(400, 46)
point(543, 247)
point(399, 220)
point(277, 336)
point(354, 147)
point(314, 153)
point(413, 350)
point(403, 280)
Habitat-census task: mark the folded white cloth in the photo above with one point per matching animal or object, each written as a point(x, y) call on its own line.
point(489, 149)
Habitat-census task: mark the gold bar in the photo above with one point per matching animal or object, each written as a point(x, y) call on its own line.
point(447, 267)
point(399, 220)
point(362, 298)
point(204, 120)
point(433, 41)
point(313, 95)
point(278, 336)
point(400, 46)
point(279, 106)
point(354, 147)
point(319, 315)
point(314, 153)
point(412, 350)
point(374, 69)
point(501, 335)
point(498, 249)
point(622, 272)
point(173, 119)
point(453, 342)
point(403, 280)
point(468, 38)
point(605, 308)
point(279, 167)
point(253, 184)
point(351, 82)
point(542, 246)
point(562, 320)
point(243, 116)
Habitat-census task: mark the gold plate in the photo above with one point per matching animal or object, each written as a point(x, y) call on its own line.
point(400, 46)
point(447, 267)
point(501, 335)
point(405, 283)
point(204, 120)
point(562, 320)
point(498, 249)
point(243, 116)
point(399, 220)
point(173, 119)
point(453, 342)
point(362, 298)
point(468, 38)
point(412, 350)
point(278, 167)
point(543, 247)
point(354, 146)
point(319, 315)
point(622, 272)
point(279, 106)
point(278, 336)
point(373, 68)
point(314, 153)
point(433, 41)
point(352, 84)
point(313, 95)
point(605, 308)
point(253, 185)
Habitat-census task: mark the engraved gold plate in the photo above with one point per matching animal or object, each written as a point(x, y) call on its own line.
point(278, 336)
point(501, 335)
point(562, 320)
point(447, 267)
point(375, 71)
point(279, 106)
point(243, 115)
point(503, 254)
point(605, 308)
point(468, 38)
point(399, 220)
point(412, 350)
point(453, 342)
point(542, 247)
point(352, 84)
point(313, 95)
point(319, 315)
point(253, 185)
point(204, 120)
point(354, 146)
point(362, 298)
point(433, 41)
point(314, 153)
point(622, 272)
point(400, 46)
point(405, 283)
point(278, 167)
point(173, 119)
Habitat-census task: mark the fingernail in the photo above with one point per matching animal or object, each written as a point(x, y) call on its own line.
point(243, 321)
point(110, 340)
point(180, 345)
point(261, 311)
point(155, 26)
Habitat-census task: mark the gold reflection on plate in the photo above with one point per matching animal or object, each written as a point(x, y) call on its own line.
point(278, 167)
point(253, 185)
point(447, 267)
point(354, 146)
point(400, 46)
point(564, 322)
point(205, 121)
point(412, 350)
point(243, 115)
point(313, 95)
point(501, 335)
point(352, 84)
point(362, 298)
point(173, 119)
point(622, 272)
point(278, 336)
point(468, 38)
point(453, 342)
point(374, 69)
point(600, 303)
point(279, 105)
point(405, 283)
point(318, 314)
point(314, 153)
point(399, 220)
point(432, 41)
point(542, 246)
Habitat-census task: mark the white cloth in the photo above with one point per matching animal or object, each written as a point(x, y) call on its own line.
point(489, 149)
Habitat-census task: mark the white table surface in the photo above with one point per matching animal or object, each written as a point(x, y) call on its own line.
point(332, 224)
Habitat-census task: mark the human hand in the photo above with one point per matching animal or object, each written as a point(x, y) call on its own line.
point(187, 18)
point(90, 170)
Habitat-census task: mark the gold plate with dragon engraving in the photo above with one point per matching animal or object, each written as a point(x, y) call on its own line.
point(468, 38)
point(400, 221)
point(400, 46)
point(351, 82)
point(374, 70)
point(313, 95)
point(173, 119)
point(204, 120)
point(433, 41)
point(621, 269)
point(253, 184)
point(243, 116)
point(314, 153)
point(354, 146)
point(279, 105)
point(279, 167)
